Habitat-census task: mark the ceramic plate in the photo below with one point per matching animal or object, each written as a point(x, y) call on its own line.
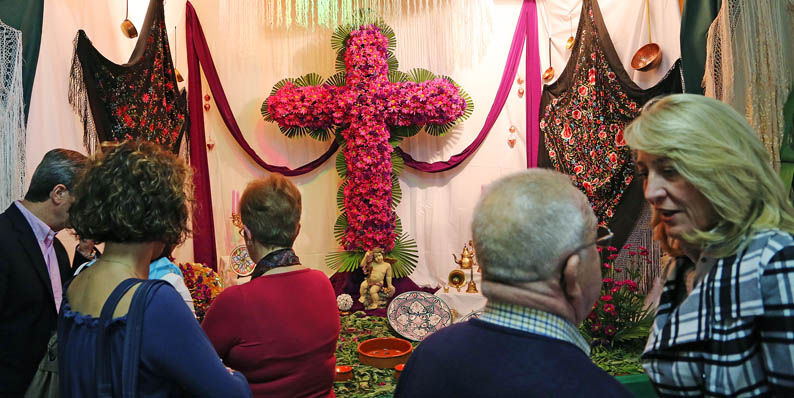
point(415, 315)
point(241, 262)
point(471, 315)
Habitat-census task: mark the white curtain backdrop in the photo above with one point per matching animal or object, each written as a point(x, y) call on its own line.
point(436, 208)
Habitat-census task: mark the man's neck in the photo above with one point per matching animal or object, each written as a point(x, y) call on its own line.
point(538, 295)
point(41, 210)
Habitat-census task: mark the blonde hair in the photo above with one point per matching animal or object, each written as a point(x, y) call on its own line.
point(716, 150)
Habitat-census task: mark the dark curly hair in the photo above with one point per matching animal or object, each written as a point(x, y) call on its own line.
point(134, 191)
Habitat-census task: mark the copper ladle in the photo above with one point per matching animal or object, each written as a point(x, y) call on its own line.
point(569, 43)
point(650, 55)
point(126, 25)
point(179, 78)
point(549, 73)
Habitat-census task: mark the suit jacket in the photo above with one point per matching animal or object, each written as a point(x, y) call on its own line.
point(27, 306)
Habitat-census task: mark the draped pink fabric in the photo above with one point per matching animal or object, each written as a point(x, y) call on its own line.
point(199, 57)
point(527, 28)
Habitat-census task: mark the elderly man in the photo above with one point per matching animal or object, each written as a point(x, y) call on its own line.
point(33, 268)
point(535, 236)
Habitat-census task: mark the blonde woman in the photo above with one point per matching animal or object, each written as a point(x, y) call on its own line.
point(722, 210)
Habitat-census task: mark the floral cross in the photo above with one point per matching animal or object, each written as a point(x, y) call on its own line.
point(367, 108)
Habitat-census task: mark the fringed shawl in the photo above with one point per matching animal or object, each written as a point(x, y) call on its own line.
point(12, 116)
point(139, 100)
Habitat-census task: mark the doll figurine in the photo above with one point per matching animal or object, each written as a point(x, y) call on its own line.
point(378, 279)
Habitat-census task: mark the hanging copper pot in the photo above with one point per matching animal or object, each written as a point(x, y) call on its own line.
point(126, 25)
point(650, 55)
point(129, 29)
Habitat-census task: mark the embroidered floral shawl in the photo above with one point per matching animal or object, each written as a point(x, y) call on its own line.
point(138, 100)
point(582, 116)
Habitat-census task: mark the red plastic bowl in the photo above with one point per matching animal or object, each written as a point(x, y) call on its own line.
point(384, 352)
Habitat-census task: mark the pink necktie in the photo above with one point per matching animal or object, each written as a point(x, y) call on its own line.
point(54, 270)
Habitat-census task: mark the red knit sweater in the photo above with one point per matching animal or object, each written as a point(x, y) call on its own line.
point(280, 331)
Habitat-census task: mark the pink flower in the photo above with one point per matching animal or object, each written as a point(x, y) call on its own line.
point(595, 327)
point(606, 298)
point(627, 246)
point(608, 308)
point(609, 330)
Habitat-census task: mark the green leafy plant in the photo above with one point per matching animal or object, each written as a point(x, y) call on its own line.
point(367, 381)
point(619, 315)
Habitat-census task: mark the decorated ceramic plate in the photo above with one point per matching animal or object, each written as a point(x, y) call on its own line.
point(415, 315)
point(241, 262)
point(471, 315)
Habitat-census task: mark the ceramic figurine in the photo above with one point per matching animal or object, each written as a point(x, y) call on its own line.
point(378, 282)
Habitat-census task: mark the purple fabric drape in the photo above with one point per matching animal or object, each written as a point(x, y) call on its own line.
point(199, 56)
point(534, 88)
point(202, 52)
point(203, 226)
point(527, 27)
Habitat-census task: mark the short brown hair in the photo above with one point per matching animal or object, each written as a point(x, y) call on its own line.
point(271, 209)
point(132, 192)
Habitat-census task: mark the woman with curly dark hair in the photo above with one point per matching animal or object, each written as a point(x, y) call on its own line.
point(118, 334)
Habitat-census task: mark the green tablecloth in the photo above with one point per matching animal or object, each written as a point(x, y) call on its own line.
point(639, 385)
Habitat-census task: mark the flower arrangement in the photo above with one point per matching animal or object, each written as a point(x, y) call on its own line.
point(620, 314)
point(204, 285)
point(373, 106)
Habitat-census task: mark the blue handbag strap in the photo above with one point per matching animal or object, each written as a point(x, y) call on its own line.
point(132, 342)
point(104, 384)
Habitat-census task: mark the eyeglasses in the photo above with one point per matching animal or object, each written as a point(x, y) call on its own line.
point(603, 238)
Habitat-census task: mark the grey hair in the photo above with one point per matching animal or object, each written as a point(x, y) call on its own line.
point(59, 166)
point(526, 222)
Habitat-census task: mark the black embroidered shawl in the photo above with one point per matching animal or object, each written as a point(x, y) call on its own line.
point(582, 116)
point(139, 100)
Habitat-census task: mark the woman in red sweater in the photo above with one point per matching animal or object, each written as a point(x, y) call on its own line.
point(280, 329)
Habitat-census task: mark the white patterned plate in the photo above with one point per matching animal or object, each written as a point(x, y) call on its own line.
point(241, 262)
point(414, 315)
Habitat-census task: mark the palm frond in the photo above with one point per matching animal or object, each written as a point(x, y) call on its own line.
point(321, 134)
point(396, 76)
point(418, 75)
point(344, 261)
point(406, 252)
point(339, 37)
point(392, 62)
point(398, 225)
point(406, 131)
point(294, 132)
point(397, 163)
point(396, 192)
point(466, 97)
point(309, 79)
point(281, 83)
point(340, 196)
point(389, 33)
point(437, 130)
point(339, 64)
point(341, 165)
point(266, 112)
point(339, 228)
point(338, 79)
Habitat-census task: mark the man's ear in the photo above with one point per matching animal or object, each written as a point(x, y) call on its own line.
point(570, 277)
point(58, 194)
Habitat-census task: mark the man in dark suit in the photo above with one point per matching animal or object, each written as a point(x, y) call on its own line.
point(33, 268)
